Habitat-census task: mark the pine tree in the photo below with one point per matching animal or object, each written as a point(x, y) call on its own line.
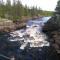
point(9, 2)
point(58, 7)
point(57, 14)
point(2, 8)
point(18, 9)
point(26, 11)
point(8, 9)
point(34, 11)
point(14, 10)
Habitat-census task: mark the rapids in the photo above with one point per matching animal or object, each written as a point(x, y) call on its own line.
point(32, 36)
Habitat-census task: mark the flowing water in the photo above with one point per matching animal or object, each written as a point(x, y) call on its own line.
point(29, 43)
point(32, 36)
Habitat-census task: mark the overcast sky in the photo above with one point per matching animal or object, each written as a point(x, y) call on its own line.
point(43, 4)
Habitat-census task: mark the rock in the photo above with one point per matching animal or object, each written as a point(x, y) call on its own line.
point(52, 29)
point(7, 25)
point(51, 25)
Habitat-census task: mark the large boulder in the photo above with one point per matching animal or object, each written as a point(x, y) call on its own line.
point(51, 24)
point(52, 29)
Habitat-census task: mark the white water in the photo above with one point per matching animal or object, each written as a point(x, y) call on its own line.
point(32, 35)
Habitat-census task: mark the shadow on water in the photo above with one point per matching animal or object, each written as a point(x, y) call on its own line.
point(7, 48)
point(45, 53)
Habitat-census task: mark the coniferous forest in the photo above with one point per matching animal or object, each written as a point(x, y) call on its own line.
point(17, 10)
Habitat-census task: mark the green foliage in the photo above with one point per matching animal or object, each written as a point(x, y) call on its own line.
point(47, 13)
point(16, 10)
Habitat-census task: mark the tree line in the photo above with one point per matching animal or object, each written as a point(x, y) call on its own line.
point(17, 10)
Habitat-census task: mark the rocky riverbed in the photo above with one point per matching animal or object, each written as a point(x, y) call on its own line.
point(24, 43)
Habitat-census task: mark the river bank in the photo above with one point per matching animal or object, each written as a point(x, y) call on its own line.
point(52, 29)
point(10, 25)
point(13, 47)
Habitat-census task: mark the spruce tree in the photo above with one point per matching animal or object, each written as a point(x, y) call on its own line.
point(57, 13)
point(26, 13)
point(18, 9)
point(58, 7)
point(2, 9)
point(8, 9)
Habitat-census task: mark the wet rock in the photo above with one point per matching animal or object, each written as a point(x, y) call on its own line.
point(52, 29)
point(51, 24)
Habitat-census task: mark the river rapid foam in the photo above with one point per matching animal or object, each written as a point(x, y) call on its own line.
point(32, 36)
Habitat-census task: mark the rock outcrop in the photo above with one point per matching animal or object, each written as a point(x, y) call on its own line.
point(52, 29)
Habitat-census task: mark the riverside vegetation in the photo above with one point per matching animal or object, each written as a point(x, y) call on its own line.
point(18, 14)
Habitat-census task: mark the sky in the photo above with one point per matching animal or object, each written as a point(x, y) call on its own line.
point(43, 4)
point(48, 5)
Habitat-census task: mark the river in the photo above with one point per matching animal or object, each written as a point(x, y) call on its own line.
point(33, 34)
point(33, 42)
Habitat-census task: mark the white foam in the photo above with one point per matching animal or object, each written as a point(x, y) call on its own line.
point(33, 35)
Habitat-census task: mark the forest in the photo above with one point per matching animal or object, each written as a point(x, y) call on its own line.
point(17, 10)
